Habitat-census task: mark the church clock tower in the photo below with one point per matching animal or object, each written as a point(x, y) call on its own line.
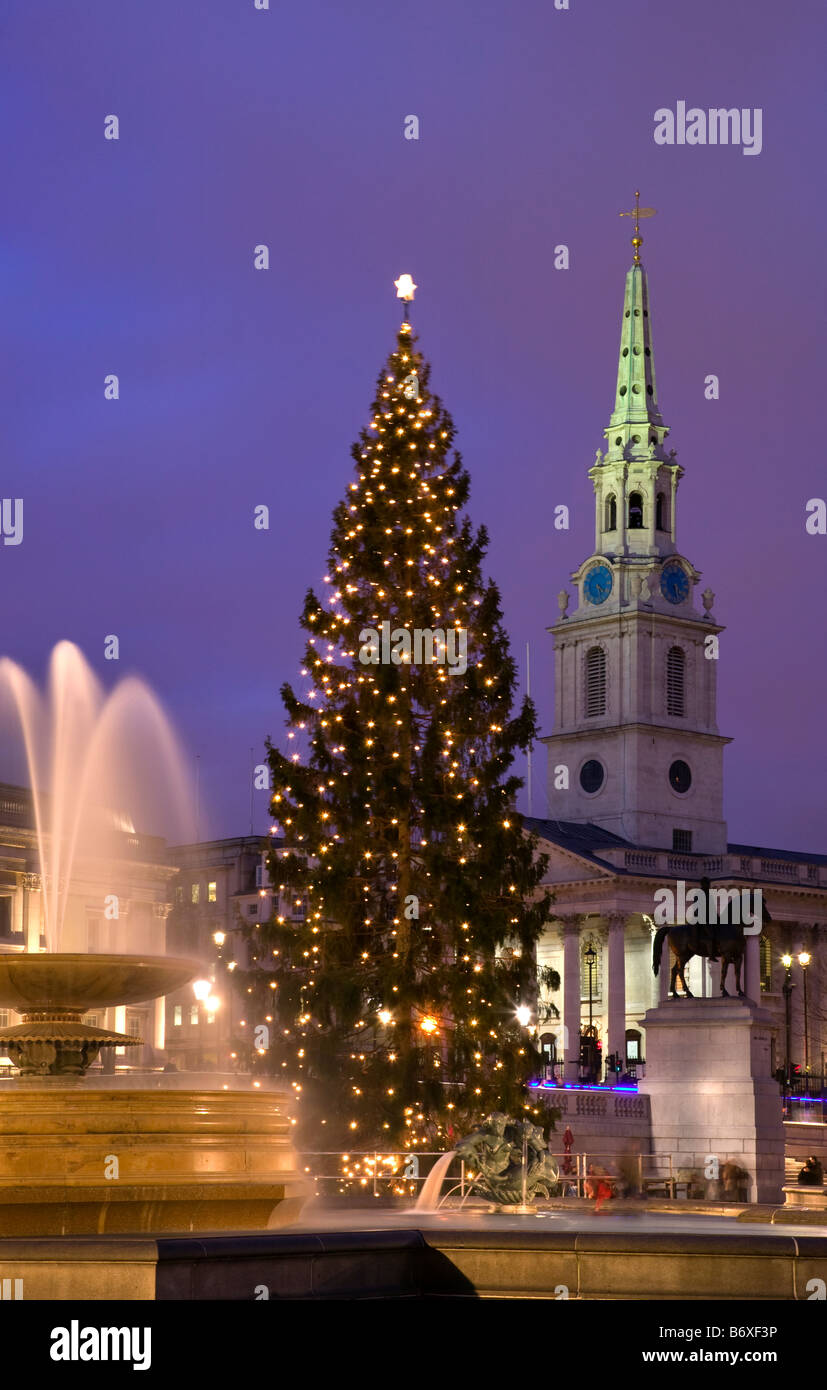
point(635, 747)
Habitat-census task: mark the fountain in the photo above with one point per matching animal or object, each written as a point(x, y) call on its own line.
point(53, 992)
point(77, 1158)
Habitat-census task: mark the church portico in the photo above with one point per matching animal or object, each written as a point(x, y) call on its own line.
point(605, 897)
point(609, 991)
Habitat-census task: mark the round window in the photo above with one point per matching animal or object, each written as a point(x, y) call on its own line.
point(592, 775)
point(680, 776)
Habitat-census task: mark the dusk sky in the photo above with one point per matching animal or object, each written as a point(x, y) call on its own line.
point(240, 387)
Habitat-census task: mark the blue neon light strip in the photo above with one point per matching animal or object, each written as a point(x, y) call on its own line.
point(574, 1086)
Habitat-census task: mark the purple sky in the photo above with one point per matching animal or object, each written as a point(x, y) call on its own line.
point(286, 127)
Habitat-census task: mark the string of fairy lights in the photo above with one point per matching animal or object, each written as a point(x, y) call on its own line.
point(367, 723)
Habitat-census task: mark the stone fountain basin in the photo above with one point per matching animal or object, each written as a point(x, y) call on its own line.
point(47, 980)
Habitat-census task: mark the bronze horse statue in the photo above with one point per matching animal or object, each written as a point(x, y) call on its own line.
point(728, 943)
point(714, 939)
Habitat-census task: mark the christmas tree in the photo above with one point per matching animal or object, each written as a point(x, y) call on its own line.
point(395, 1000)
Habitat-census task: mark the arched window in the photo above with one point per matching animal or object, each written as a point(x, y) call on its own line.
point(676, 682)
point(660, 513)
point(595, 682)
point(633, 1045)
point(611, 514)
point(635, 511)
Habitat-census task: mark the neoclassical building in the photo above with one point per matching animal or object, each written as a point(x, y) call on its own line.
point(635, 758)
point(139, 876)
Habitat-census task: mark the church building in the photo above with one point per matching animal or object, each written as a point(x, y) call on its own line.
point(635, 764)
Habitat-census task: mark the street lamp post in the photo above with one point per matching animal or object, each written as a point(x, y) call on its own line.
point(804, 961)
point(591, 958)
point(787, 962)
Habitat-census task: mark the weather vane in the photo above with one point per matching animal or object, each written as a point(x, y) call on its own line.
point(638, 212)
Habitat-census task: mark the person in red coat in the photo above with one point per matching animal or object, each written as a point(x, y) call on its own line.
point(596, 1186)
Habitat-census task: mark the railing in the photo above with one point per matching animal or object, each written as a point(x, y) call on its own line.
point(553, 1073)
point(382, 1174)
point(695, 866)
point(779, 868)
point(635, 859)
point(809, 1085)
point(677, 864)
point(596, 1103)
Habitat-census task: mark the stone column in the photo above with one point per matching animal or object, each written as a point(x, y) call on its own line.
point(660, 982)
point(160, 913)
point(599, 503)
point(617, 984)
point(17, 918)
point(32, 924)
point(159, 1023)
point(751, 983)
point(571, 996)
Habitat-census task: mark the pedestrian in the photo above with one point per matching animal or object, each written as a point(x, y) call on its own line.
point(812, 1174)
point(597, 1187)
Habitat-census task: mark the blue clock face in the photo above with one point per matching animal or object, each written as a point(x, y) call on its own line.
point(674, 582)
point(598, 584)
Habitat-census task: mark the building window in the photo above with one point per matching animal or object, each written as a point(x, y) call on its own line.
point(212, 892)
point(680, 776)
point(765, 958)
point(179, 892)
point(252, 909)
point(134, 1024)
point(633, 1039)
point(635, 511)
point(611, 513)
point(195, 893)
point(5, 916)
point(660, 513)
point(592, 776)
point(177, 1015)
point(5, 1015)
point(682, 841)
point(676, 682)
point(595, 682)
point(193, 1013)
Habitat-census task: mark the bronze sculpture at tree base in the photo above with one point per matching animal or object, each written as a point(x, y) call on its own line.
point(510, 1161)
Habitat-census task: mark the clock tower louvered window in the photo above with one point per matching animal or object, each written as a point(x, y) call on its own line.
point(595, 682)
point(676, 682)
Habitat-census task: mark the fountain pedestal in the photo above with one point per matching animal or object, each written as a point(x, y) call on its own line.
point(95, 1162)
point(711, 1092)
point(87, 1161)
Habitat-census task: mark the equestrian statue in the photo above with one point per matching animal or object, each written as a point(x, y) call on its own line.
point(724, 941)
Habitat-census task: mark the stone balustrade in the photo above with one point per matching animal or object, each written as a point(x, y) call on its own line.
point(664, 862)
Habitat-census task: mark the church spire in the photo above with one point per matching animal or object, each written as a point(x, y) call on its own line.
point(636, 481)
point(635, 423)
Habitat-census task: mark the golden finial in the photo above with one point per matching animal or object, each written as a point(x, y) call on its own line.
point(638, 212)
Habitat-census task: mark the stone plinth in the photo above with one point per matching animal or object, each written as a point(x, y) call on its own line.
point(711, 1092)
